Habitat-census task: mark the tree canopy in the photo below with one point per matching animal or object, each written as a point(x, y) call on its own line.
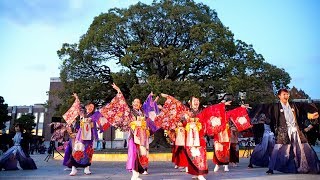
point(177, 47)
point(3, 113)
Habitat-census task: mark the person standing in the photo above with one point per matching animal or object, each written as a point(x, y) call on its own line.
point(234, 145)
point(291, 153)
point(178, 151)
point(222, 144)
point(139, 127)
point(18, 152)
point(103, 143)
point(72, 130)
point(262, 151)
point(82, 148)
point(196, 151)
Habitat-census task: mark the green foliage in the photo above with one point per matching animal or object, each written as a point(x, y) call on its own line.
point(27, 122)
point(181, 90)
point(177, 47)
point(3, 113)
point(84, 74)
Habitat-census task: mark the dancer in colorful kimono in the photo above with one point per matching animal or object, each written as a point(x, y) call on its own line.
point(60, 131)
point(221, 155)
point(234, 145)
point(222, 140)
point(291, 153)
point(18, 152)
point(82, 147)
point(195, 146)
point(72, 130)
point(139, 128)
point(178, 150)
point(262, 151)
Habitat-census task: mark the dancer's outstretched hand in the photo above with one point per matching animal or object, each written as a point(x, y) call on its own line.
point(75, 95)
point(246, 106)
point(164, 95)
point(116, 88)
point(228, 103)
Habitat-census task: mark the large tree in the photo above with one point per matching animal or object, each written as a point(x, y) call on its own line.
point(174, 46)
point(3, 113)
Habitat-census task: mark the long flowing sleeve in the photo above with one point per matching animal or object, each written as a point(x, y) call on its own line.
point(172, 111)
point(151, 125)
point(59, 131)
point(150, 105)
point(117, 113)
point(240, 118)
point(73, 112)
point(214, 117)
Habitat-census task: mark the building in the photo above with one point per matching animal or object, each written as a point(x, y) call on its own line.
point(38, 110)
point(53, 102)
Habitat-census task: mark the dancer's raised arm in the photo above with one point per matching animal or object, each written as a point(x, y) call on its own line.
point(116, 88)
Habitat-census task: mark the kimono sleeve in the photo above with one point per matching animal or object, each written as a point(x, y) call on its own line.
point(73, 112)
point(170, 114)
point(215, 118)
point(117, 113)
point(240, 118)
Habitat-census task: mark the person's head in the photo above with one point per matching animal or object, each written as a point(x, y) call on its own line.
point(283, 95)
point(136, 103)
point(90, 107)
point(194, 102)
point(18, 127)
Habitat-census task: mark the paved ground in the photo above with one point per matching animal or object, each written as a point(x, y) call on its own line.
point(157, 171)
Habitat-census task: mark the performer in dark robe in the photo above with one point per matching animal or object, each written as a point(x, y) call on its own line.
point(234, 145)
point(291, 153)
point(18, 152)
point(262, 151)
point(310, 127)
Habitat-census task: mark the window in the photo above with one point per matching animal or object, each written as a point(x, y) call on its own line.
point(36, 117)
point(100, 136)
point(41, 118)
point(40, 129)
point(19, 115)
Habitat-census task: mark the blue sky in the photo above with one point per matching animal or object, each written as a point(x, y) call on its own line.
point(285, 32)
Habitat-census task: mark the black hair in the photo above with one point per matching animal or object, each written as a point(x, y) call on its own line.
point(20, 126)
point(227, 97)
point(282, 90)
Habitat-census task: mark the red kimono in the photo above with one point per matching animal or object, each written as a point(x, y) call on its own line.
point(172, 112)
point(196, 146)
point(179, 157)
